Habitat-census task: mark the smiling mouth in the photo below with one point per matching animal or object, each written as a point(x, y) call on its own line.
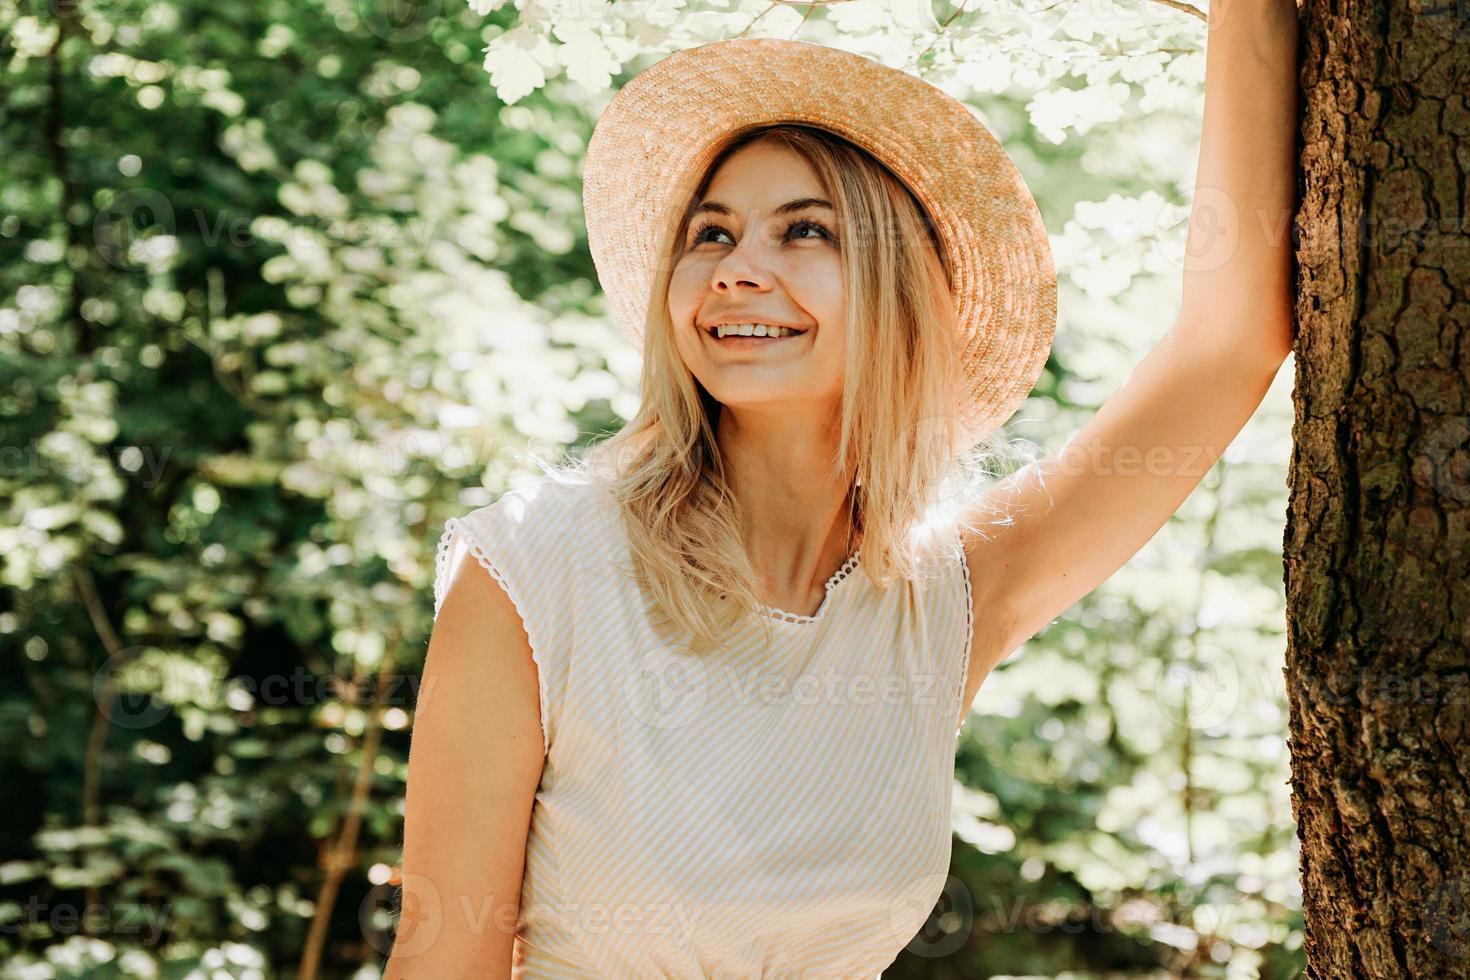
point(736, 334)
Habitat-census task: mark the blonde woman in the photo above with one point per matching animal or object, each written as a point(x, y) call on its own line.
point(690, 702)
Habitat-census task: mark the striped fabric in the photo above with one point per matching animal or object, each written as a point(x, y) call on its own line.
point(776, 812)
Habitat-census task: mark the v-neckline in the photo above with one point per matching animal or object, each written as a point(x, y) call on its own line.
point(771, 613)
point(829, 587)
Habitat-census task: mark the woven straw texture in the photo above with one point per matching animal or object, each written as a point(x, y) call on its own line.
point(661, 131)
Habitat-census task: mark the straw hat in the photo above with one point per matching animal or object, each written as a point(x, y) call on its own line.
point(660, 132)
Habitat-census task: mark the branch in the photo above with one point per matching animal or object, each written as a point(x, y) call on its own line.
point(1188, 8)
point(97, 737)
point(341, 853)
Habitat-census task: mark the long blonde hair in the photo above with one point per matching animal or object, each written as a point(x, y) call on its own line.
point(910, 478)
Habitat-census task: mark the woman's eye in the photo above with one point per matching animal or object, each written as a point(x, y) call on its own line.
point(801, 224)
point(707, 226)
point(807, 224)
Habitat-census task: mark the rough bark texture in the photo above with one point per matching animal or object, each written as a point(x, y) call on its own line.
point(1377, 545)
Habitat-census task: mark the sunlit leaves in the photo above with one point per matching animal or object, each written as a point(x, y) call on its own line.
point(517, 61)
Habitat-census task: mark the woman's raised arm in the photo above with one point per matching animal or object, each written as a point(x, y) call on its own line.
point(1077, 515)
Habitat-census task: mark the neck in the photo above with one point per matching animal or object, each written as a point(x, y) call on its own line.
point(798, 525)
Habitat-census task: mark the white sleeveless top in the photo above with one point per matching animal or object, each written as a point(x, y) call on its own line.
point(774, 812)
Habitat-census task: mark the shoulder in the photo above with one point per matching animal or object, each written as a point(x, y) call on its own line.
point(542, 510)
point(532, 540)
point(529, 539)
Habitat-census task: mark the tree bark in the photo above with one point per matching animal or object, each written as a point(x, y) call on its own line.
point(1377, 543)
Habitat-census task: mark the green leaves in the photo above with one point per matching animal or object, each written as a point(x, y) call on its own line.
point(282, 287)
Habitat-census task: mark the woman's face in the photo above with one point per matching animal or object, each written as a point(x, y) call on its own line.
point(745, 257)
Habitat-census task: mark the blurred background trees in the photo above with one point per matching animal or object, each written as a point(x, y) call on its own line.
point(283, 286)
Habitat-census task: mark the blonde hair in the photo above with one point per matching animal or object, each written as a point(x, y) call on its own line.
point(910, 478)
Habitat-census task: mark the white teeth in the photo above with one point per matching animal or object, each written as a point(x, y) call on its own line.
point(752, 330)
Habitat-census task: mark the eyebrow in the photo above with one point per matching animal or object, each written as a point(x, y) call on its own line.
point(800, 204)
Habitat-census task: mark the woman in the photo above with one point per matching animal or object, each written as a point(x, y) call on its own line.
point(690, 710)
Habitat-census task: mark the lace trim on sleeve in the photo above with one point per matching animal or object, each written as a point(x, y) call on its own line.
point(441, 585)
point(964, 670)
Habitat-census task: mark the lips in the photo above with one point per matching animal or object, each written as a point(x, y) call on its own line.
point(740, 342)
point(737, 340)
point(713, 329)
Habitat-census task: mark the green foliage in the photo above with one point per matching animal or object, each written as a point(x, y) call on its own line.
point(284, 286)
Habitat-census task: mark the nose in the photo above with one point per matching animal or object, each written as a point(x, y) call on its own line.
point(745, 263)
point(727, 278)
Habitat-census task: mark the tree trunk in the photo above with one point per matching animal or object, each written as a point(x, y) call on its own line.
point(1377, 544)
